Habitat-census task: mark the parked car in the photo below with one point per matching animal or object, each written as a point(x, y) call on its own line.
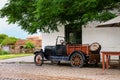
point(76, 54)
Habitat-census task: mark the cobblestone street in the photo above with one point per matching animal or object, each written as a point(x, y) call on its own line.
point(29, 71)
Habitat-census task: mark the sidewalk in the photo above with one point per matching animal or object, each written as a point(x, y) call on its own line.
point(28, 59)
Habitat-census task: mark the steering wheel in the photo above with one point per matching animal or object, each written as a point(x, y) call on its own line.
point(62, 41)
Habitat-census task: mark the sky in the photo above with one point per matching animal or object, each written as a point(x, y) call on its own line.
point(12, 30)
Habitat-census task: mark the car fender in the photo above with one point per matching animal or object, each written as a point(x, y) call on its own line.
point(80, 52)
point(39, 52)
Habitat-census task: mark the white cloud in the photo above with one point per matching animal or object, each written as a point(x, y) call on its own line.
point(11, 29)
point(4, 25)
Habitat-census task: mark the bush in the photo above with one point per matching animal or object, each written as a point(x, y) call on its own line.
point(29, 45)
point(3, 52)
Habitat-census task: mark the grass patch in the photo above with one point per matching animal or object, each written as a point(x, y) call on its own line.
point(13, 56)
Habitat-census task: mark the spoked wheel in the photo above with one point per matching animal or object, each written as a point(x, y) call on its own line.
point(76, 60)
point(38, 59)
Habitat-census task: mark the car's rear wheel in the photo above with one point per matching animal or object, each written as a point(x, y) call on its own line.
point(38, 59)
point(76, 60)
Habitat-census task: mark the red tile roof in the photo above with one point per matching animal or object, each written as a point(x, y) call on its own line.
point(20, 42)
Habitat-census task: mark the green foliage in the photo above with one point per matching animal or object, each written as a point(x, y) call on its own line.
point(20, 12)
point(29, 45)
point(2, 37)
point(105, 16)
point(9, 41)
point(3, 52)
point(46, 15)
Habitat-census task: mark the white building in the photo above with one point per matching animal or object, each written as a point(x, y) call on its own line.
point(107, 37)
point(50, 38)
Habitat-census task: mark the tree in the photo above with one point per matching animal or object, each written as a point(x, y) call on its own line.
point(29, 45)
point(9, 41)
point(46, 15)
point(2, 37)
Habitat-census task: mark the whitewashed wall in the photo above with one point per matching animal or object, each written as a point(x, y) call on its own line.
point(50, 38)
point(109, 38)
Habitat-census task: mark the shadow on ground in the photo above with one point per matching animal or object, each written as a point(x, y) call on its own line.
point(112, 65)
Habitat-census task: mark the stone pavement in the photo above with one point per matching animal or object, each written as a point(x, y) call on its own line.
point(18, 71)
point(29, 71)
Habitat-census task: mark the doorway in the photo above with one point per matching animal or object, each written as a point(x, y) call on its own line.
point(73, 34)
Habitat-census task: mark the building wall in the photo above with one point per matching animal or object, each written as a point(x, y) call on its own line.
point(107, 37)
point(6, 48)
point(50, 38)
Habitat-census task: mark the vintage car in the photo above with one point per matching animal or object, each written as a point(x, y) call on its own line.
point(76, 54)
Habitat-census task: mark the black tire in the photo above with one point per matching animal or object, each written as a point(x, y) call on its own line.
point(38, 59)
point(76, 60)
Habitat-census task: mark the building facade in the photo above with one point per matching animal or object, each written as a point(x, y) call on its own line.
point(19, 45)
point(107, 37)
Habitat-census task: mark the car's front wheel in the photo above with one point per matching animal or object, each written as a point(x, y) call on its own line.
point(38, 59)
